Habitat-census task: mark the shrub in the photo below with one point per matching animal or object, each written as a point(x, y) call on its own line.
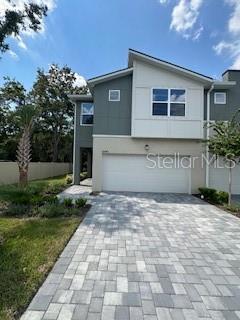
point(3, 206)
point(68, 202)
point(69, 179)
point(81, 202)
point(83, 175)
point(37, 200)
point(208, 193)
point(222, 197)
point(233, 208)
point(21, 199)
point(50, 210)
point(17, 210)
point(54, 189)
point(214, 196)
point(53, 199)
point(73, 212)
point(35, 189)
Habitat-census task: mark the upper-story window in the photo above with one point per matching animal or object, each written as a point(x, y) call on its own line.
point(87, 109)
point(220, 98)
point(168, 102)
point(114, 95)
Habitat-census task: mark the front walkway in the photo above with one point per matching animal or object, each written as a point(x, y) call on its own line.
point(136, 256)
point(77, 191)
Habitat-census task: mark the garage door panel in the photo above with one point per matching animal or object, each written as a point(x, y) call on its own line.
point(130, 173)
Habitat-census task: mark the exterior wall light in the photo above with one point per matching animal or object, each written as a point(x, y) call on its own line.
point(146, 147)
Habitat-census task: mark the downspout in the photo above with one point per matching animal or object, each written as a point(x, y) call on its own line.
point(208, 132)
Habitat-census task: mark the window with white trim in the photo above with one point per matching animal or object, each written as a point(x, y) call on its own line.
point(168, 102)
point(87, 109)
point(114, 95)
point(220, 97)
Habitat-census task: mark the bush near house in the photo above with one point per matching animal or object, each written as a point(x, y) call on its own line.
point(38, 199)
point(220, 198)
point(214, 196)
point(69, 177)
point(234, 209)
point(30, 242)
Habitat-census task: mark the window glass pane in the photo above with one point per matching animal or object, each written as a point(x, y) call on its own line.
point(220, 97)
point(87, 108)
point(87, 119)
point(177, 95)
point(177, 109)
point(114, 95)
point(160, 95)
point(160, 109)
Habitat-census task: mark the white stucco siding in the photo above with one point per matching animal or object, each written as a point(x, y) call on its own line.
point(145, 78)
point(130, 147)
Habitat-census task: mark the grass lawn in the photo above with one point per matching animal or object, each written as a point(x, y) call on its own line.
point(58, 184)
point(29, 246)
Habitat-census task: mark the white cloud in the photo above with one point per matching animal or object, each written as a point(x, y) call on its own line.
point(19, 5)
point(234, 21)
point(13, 54)
point(80, 81)
point(197, 33)
point(223, 46)
point(236, 64)
point(184, 18)
point(231, 46)
point(21, 43)
point(163, 1)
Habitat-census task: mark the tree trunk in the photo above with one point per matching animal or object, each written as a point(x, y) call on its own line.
point(56, 140)
point(23, 177)
point(55, 151)
point(24, 157)
point(230, 185)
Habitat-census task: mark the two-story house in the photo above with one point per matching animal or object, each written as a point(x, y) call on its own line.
point(142, 128)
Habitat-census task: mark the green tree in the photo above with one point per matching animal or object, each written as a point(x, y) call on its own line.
point(12, 96)
point(50, 93)
point(18, 102)
point(16, 20)
point(225, 143)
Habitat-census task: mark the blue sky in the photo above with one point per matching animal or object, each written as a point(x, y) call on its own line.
point(93, 37)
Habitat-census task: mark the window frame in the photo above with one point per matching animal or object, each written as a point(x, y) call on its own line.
point(109, 95)
point(86, 114)
point(225, 97)
point(168, 103)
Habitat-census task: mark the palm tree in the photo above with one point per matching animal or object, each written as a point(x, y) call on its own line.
point(25, 118)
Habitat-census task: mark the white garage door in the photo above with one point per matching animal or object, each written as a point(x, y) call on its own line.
point(218, 179)
point(132, 173)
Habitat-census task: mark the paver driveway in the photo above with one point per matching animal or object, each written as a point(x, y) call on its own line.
point(146, 256)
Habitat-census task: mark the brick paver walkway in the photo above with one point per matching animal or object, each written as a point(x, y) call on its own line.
point(148, 257)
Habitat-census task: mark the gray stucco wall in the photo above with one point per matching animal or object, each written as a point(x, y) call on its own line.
point(225, 111)
point(113, 118)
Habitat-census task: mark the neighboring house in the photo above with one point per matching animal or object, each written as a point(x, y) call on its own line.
point(152, 107)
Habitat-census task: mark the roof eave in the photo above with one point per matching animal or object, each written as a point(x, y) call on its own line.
point(223, 84)
point(80, 97)
point(109, 76)
point(167, 65)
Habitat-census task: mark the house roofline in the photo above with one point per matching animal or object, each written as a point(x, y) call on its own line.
point(80, 97)
point(230, 70)
point(223, 84)
point(167, 64)
point(108, 76)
